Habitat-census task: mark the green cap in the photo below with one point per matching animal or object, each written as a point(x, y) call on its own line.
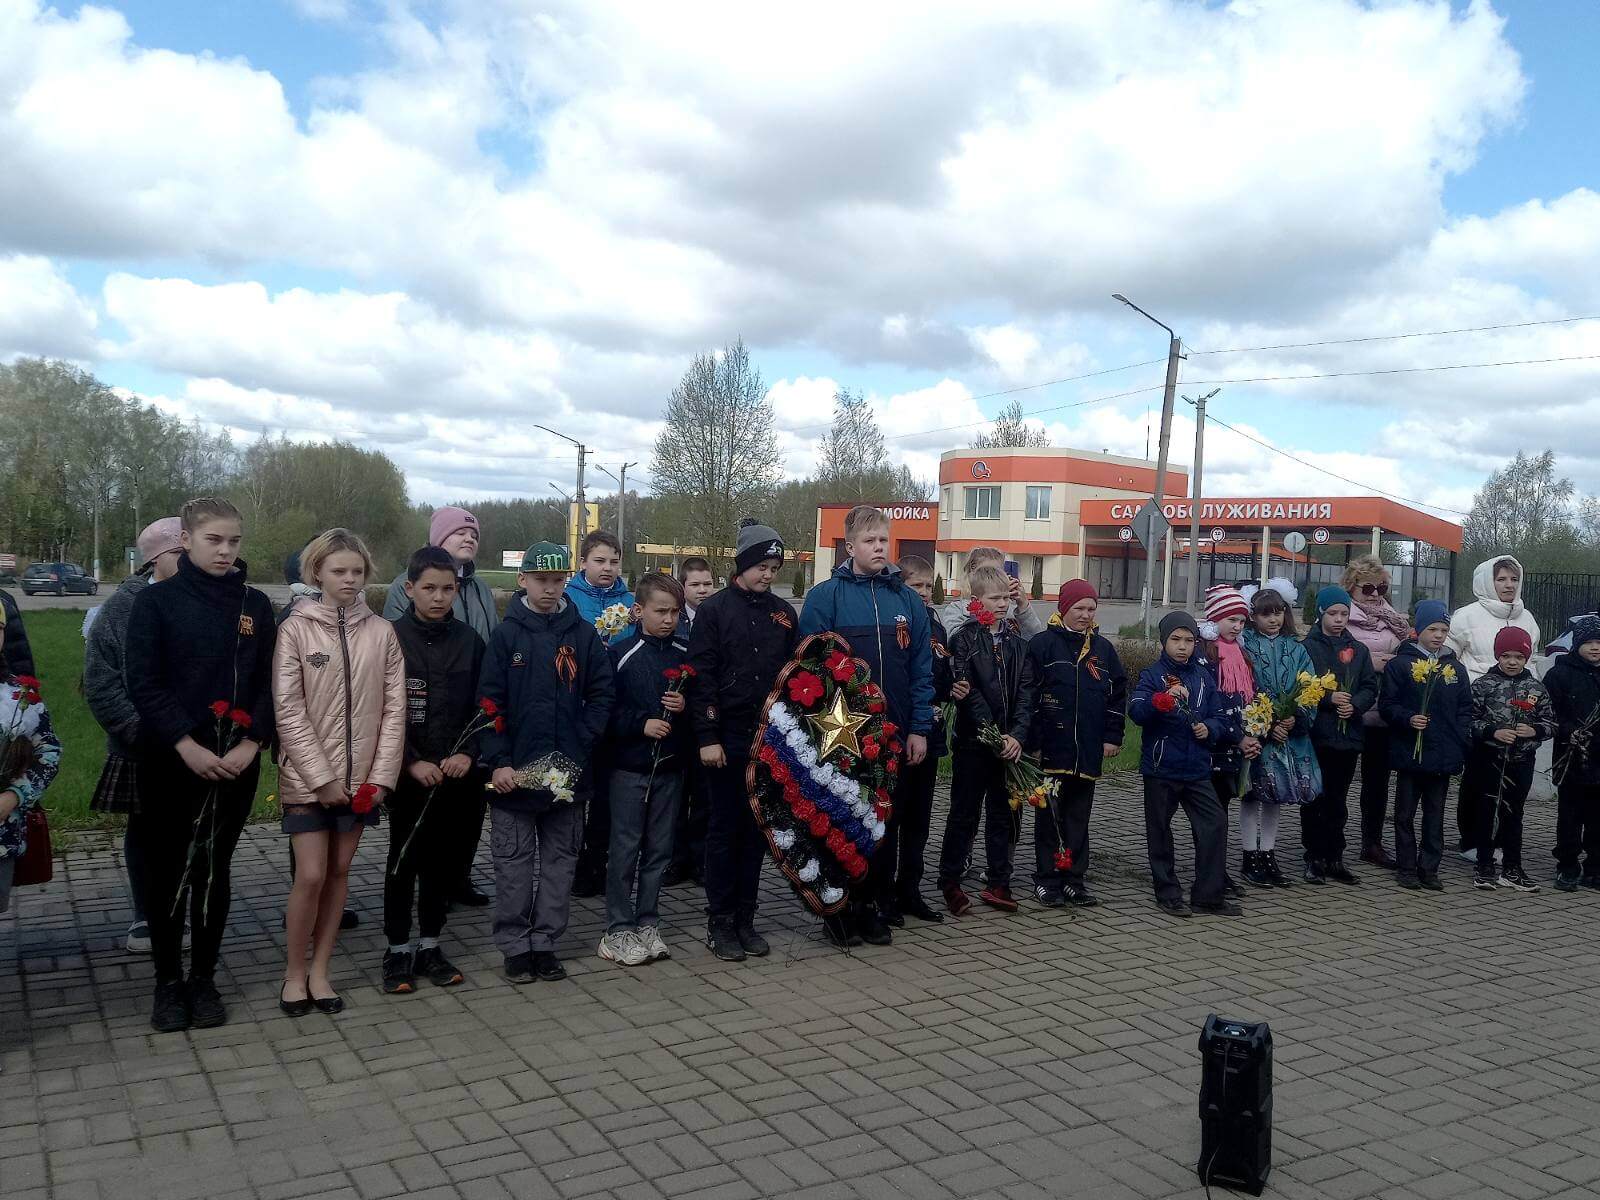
point(546, 556)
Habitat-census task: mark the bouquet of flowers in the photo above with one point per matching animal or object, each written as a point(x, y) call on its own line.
point(486, 717)
point(1257, 719)
point(554, 773)
point(1308, 692)
point(1168, 701)
point(16, 753)
point(613, 621)
point(1025, 782)
point(1428, 672)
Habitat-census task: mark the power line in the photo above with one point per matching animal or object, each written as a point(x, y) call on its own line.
point(1394, 337)
point(1509, 362)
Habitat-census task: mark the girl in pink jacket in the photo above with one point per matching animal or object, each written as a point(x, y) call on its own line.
point(339, 697)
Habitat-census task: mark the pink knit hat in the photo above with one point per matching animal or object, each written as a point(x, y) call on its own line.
point(1224, 601)
point(447, 521)
point(156, 538)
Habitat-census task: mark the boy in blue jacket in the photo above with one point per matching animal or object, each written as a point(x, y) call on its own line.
point(886, 623)
point(547, 673)
point(1422, 772)
point(649, 761)
point(1183, 715)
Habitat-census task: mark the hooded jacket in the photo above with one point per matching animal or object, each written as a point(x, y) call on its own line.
point(16, 656)
point(194, 639)
point(886, 624)
point(1001, 675)
point(1574, 688)
point(443, 660)
point(105, 685)
point(1473, 628)
point(340, 694)
point(1080, 700)
point(591, 601)
point(1356, 676)
point(740, 641)
point(1170, 749)
point(551, 678)
point(639, 664)
point(1492, 709)
point(1445, 740)
point(474, 603)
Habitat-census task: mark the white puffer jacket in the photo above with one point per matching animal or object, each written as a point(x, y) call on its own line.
point(1473, 628)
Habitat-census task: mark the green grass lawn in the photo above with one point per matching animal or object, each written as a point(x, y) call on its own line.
point(58, 657)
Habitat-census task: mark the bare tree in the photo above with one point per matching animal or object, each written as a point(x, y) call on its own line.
point(717, 459)
point(1010, 428)
point(850, 456)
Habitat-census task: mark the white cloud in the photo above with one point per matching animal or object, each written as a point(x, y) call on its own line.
point(40, 312)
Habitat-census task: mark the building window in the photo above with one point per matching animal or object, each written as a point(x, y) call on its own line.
point(1038, 503)
point(983, 503)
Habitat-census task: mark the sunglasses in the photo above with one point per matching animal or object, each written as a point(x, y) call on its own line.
point(1374, 589)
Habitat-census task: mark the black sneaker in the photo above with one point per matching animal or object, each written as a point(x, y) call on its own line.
point(170, 1012)
point(399, 973)
point(1313, 872)
point(519, 968)
point(752, 942)
point(916, 906)
point(1517, 880)
point(1339, 873)
point(1567, 879)
point(1219, 908)
point(1048, 896)
point(432, 965)
point(1484, 880)
point(1430, 880)
point(722, 939)
point(1174, 908)
point(206, 1009)
point(1408, 880)
point(547, 966)
point(1078, 895)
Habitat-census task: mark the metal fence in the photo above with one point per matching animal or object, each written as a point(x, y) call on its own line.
point(1554, 596)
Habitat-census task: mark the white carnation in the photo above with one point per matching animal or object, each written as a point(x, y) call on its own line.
point(783, 839)
point(831, 895)
point(809, 872)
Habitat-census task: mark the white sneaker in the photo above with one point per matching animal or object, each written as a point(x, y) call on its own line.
point(624, 948)
point(650, 938)
point(139, 938)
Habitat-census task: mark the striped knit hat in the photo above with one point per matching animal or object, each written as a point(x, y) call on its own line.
point(1224, 601)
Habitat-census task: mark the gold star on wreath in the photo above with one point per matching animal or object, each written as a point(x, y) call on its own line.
point(838, 728)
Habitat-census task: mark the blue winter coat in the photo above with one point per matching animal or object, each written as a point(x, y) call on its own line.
point(591, 601)
point(1170, 749)
point(1081, 699)
point(1444, 741)
point(1286, 773)
point(886, 624)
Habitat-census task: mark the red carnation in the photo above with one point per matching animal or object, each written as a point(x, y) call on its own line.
point(672, 674)
point(365, 799)
point(884, 797)
point(780, 773)
point(1164, 702)
point(979, 613)
point(819, 824)
point(488, 707)
point(870, 749)
point(895, 746)
point(31, 696)
point(804, 809)
point(892, 765)
point(890, 729)
point(28, 683)
point(882, 811)
point(687, 671)
point(1523, 703)
point(219, 708)
point(857, 867)
point(841, 666)
point(805, 689)
point(499, 724)
point(874, 706)
point(1063, 860)
point(836, 842)
point(240, 718)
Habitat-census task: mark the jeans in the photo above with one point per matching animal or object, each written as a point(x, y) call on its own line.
point(897, 863)
point(1322, 821)
point(644, 814)
point(1414, 789)
point(1208, 824)
point(1374, 784)
point(735, 846)
point(535, 856)
point(1064, 823)
point(432, 866)
point(977, 787)
point(1578, 826)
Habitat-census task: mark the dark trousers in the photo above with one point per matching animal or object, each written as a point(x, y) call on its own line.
point(1064, 824)
point(1322, 821)
point(1500, 786)
point(181, 833)
point(1578, 826)
point(467, 824)
point(1413, 790)
point(1469, 803)
point(977, 787)
point(433, 862)
point(689, 835)
point(1374, 784)
point(1208, 824)
point(897, 864)
point(735, 846)
point(596, 832)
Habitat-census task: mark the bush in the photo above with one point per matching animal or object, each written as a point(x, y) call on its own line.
point(377, 594)
point(633, 580)
point(799, 584)
point(1137, 654)
point(938, 589)
point(1037, 590)
point(1308, 610)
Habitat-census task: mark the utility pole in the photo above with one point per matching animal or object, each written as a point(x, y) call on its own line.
point(580, 521)
point(1194, 495)
point(622, 502)
point(1174, 353)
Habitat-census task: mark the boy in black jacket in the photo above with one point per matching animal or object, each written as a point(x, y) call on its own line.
point(443, 656)
point(547, 673)
point(1573, 682)
point(1080, 705)
point(1511, 715)
point(742, 637)
point(1338, 736)
point(988, 652)
point(1425, 748)
point(198, 642)
point(648, 762)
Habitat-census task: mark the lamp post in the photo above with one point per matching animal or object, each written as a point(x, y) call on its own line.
point(583, 452)
point(622, 501)
point(1174, 352)
point(1194, 495)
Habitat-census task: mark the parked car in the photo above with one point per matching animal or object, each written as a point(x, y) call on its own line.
point(57, 579)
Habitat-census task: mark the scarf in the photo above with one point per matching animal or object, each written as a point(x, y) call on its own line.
point(1233, 672)
point(1386, 620)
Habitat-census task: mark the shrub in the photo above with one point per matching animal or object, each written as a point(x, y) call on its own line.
point(799, 584)
point(1037, 590)
point(1137, 654)
point(938, 589)
point(633, 580)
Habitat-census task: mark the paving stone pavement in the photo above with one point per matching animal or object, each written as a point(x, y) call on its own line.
point(1426, 1046)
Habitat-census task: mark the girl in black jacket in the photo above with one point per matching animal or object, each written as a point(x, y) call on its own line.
point(1337, 736)
point(1573, 682)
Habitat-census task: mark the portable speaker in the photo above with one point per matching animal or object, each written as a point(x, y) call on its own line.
point(1235, 1104)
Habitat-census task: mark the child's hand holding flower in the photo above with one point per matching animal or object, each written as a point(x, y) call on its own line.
point(656, 729)
point(673, 702)
point(1201, 733)
point(456, 766)
point(1419, 722)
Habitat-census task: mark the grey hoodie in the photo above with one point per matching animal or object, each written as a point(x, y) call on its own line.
point(105, 686)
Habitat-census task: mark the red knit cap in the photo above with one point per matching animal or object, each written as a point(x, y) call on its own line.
point(1224, 601)
point(1074, 590)
point(1513, 638)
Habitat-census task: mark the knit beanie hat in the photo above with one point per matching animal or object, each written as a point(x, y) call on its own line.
point(1331, 595)
point(1177, 620)
point(1585, 629)
point(1224, 601)
point(544, 556)
point(1431, 612)
point(1512, 638)
point(156, 538)
point(755, 545)
point(1074, 590)
point(449, 520)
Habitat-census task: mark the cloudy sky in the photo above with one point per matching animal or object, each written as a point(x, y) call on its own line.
point(425, 226)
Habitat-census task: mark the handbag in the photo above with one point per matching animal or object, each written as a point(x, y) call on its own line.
point(36, 865)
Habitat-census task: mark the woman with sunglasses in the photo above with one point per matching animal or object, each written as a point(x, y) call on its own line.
point(1380, 627)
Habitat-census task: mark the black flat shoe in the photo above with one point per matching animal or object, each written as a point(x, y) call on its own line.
point(327, 1004)
point(470, 897)
point(293, 1008)
point(347, 920)
point(920, 909)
